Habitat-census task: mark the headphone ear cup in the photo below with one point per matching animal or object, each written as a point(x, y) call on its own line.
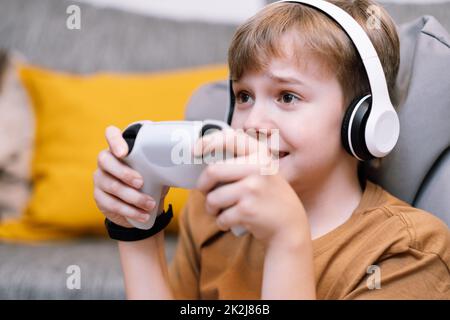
point(232, 101)
point(345, 125)
point(354, 127)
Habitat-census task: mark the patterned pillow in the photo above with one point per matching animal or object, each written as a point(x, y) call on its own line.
point(16, 139)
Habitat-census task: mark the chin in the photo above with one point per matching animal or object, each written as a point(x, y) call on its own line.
point(290, 170)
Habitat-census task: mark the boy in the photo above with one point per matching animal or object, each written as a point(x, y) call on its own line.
point(316, 229)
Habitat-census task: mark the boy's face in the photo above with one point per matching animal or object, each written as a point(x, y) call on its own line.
point(306, 105)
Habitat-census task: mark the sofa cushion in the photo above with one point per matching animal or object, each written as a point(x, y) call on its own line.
point(41, 271)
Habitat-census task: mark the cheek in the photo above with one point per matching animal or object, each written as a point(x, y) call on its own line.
point(238, 119)
point(314, 134)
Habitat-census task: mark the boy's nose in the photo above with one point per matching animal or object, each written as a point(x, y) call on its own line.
point(259, 123)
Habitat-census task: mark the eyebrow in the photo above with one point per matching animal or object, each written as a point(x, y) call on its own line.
point(282, 80)
point(285, 80)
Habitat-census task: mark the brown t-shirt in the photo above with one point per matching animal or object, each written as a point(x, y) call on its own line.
point(385, 250)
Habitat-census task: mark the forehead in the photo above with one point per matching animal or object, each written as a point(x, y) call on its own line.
point(289, 69)
point(293, 60)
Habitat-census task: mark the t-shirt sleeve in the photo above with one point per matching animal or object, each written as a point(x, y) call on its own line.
point(413, 275)
point(184, 268)
point(421, 271)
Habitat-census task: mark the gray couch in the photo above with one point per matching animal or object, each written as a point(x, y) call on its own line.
point(119, 41)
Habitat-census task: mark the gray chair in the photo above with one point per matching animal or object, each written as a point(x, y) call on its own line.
point(418, 170)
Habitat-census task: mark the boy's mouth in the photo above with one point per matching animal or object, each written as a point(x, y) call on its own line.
point(280, 154)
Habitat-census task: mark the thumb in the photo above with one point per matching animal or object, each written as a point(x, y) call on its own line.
point(117, 144)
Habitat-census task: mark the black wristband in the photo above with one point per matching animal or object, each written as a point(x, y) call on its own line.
point(120, 233)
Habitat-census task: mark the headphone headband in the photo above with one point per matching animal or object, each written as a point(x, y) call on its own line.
point(363, 44)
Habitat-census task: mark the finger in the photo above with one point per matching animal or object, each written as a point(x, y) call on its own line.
point(116, 142)
point(234, 142)
point(229, 218)
point(109, 204)
point(114, 187)
point(223, 197)
point(119, 170)
point(223, 173)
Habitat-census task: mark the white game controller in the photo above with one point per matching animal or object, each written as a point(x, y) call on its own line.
point(162, 153)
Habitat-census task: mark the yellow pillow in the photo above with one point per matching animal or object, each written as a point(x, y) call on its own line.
point(72, 112)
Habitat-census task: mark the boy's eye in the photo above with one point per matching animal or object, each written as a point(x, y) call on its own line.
point(243, 97)
point(288, 98)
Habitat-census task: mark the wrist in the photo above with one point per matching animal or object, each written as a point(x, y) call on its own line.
point(145, 268)
point(289, 269)
point(290, 241)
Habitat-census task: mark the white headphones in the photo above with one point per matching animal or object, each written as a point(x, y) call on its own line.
point(370, 126)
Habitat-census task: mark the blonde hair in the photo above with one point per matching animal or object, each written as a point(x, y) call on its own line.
point(258, 40)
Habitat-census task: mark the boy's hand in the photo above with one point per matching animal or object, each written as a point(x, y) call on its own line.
point(116, 185)
point(264, 204)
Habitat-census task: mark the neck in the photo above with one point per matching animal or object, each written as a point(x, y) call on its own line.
point(330, 201)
